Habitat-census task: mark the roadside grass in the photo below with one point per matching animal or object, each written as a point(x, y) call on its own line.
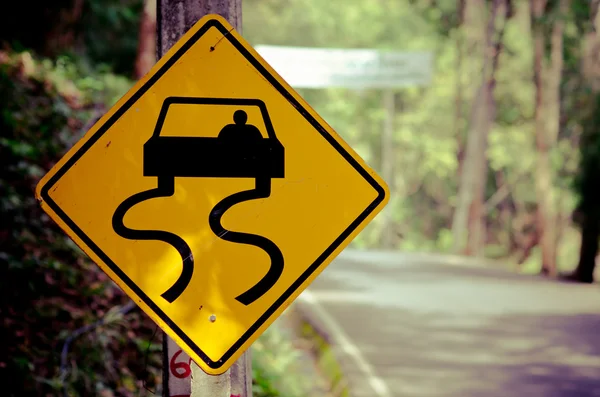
point(292, 359)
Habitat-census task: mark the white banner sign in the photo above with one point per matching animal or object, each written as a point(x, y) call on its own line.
point(304, 67)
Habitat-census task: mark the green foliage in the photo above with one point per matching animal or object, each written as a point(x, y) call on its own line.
point(47, 288)
point(109, 32)
point(276, 368)
point(326, 360)
point(581, 10)
point(100, 31)
point(426, 140)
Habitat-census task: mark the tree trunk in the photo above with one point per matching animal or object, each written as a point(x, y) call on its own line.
point(475, 224)
point(468, 180)
point(554, 106)
point(547, 121)
point(468, 225)
point(477, 218)
point(586, 215)
point(146, 53)
point(589, 249)
point(458, 95)
point(474, 42)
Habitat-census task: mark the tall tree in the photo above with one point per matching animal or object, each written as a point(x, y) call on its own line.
point(469, 218)
point(587, 214)
point(547, 79)
point(458, 95)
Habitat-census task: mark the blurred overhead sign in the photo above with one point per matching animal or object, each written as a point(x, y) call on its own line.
point(212, 194)
point(303, 67)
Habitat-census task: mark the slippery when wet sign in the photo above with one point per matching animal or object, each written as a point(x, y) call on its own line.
point(212, 194)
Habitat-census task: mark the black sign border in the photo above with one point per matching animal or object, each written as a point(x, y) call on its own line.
point(126, 106)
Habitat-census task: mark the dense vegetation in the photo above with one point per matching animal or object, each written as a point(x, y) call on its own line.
point(504, 143)
point(492, 143)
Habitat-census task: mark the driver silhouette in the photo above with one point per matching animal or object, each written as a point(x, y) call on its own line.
point(240, 132)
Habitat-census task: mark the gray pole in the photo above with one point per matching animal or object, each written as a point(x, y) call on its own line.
point(174, 18)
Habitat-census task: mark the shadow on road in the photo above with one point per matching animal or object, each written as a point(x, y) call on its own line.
point(431, 329)
point(510, 355)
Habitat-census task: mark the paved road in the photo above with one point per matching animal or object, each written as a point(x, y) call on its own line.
point(416, 326)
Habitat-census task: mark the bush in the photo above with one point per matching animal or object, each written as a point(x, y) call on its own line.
point(48, 288)
point(276, 367)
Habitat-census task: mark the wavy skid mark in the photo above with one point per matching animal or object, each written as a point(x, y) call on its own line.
point(165, 188)
point(262, 190)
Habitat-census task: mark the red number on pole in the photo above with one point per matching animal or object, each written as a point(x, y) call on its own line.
point(174, 366)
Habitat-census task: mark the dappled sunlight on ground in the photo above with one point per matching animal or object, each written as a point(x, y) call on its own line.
point(431, 329)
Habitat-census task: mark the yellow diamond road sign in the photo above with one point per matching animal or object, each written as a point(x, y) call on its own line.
point(212, 194)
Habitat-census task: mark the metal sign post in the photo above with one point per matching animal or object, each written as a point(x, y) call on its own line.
point(182, 376)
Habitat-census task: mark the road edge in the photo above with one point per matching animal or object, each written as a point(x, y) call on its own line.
point(322, 348)
point(323, 323)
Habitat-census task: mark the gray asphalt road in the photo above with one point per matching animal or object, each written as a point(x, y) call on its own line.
point(408, 325)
